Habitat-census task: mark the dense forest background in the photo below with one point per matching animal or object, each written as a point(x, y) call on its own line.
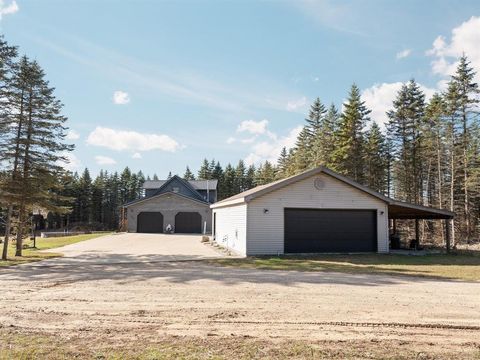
point(429, 154)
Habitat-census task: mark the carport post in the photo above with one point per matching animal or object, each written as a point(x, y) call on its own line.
point(447, 234)
point(417, 232)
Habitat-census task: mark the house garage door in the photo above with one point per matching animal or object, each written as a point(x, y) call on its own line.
point(150, 222)
point(314, 230)
point(188, 223)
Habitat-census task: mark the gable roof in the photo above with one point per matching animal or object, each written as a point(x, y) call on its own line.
point(258, 191)
point(193, 191)
point(162, 194)
point(196, 184)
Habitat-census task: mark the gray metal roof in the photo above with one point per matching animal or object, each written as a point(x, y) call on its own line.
point(153, 184)
point(196, 184)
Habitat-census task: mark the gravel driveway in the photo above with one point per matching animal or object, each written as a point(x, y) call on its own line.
point(131, 247)
point(107, 292)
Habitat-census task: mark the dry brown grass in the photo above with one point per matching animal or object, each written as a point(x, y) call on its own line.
point(460, 266)
point(22, 345)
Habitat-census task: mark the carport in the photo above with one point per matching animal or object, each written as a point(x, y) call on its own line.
point(399, 210)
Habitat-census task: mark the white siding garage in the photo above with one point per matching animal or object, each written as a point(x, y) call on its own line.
point(253, 222)
point(265, 232)
point(316, 211)
point(230, 227)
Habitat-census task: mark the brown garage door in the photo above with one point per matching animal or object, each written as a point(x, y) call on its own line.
point(316, 231)
point(150, 222)
point(188, 223)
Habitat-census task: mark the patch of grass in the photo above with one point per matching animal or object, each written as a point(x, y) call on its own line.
point(16, 345)
point(31, 254)
point(453, 266)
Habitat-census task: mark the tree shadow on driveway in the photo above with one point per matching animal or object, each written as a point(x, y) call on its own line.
point(126, 268)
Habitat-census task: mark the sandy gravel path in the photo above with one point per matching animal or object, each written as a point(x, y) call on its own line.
point(192, 298)
point(131, 247)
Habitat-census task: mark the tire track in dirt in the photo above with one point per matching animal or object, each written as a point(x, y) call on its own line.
point(346, 324)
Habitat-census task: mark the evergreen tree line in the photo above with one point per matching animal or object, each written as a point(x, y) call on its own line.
point(233, 179)
point(95, 203)
point(428, 155)
point(32, 144)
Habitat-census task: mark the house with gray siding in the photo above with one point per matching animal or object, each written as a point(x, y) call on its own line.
point(318, 211)
point(183, 206)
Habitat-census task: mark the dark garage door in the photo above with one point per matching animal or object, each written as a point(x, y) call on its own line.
point(188, 223)
point(313, 230)
point(150, 222)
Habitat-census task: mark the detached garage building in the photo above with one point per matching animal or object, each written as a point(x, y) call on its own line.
point(182, 204)
point(313, 212)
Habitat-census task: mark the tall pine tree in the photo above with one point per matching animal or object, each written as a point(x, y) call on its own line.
point(349, 153)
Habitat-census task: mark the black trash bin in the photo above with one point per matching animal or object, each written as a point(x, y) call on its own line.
point(413, 244)
point(394, 242)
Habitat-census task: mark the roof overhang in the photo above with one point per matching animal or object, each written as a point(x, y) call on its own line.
point(403, 210)
point(233, 202)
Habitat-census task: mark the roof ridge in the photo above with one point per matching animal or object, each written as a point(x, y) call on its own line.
point(185, 182)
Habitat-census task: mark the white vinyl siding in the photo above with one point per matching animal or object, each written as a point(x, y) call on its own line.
point(231, 227)
point(265, 232)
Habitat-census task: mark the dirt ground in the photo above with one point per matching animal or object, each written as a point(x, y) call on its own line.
point(192, 299)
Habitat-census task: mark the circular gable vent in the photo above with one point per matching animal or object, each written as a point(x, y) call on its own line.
point(319, 184)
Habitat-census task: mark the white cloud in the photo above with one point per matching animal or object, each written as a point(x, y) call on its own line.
point(464, 40)
point(296, 104)
point(249, 140)
point(137, 155)
point(253, 159)
point(131, 140)
point(121, 97)
point(253, 127)
point(73, 162)
point(404, 53)
point(270, 149)
point(263, 144)
point(379, 99)
point(7, 9)
point(72, 135)
point(104, 160)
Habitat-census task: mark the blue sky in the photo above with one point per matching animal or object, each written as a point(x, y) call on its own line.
point(158, 85)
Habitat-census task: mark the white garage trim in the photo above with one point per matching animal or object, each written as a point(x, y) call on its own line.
point(230, 227)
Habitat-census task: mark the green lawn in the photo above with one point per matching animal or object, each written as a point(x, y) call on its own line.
point(465, 266)
point(32, 254)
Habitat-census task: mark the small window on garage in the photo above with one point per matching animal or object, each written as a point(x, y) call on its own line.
point(176, 189)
